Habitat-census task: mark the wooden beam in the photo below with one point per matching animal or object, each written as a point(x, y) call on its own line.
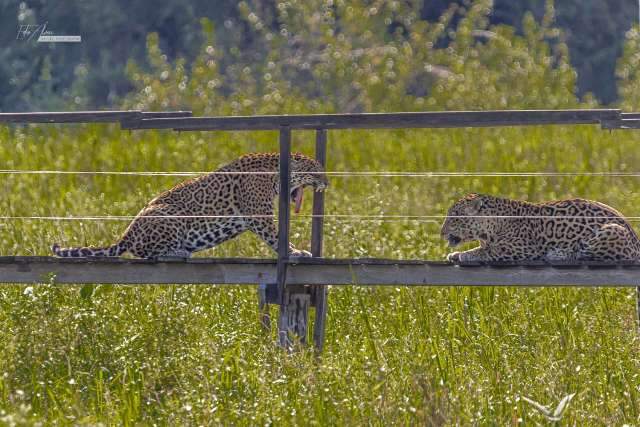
point(71, 117)
point(165, 114)
point(444, 119)
point(135, 271)
point(125, 123)
point(310, 271)
point(428, 274)
point(631, 123)
point(129, 116)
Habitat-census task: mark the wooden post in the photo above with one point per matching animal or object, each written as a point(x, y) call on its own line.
point(263, 307)
point(292, 321)
point(319, 293)
point(283, 210)
point(284, 169)
point(294, 304)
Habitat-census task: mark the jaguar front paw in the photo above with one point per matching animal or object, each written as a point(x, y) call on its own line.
point(454, 257)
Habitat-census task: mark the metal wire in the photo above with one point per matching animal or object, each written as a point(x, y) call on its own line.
point(336, 217)
point(348, 217)
point(341, 174)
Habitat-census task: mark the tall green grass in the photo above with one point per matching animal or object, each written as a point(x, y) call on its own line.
point(393, 355)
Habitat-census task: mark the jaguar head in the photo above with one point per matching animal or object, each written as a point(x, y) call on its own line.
point(467, 220)
point(305, 172)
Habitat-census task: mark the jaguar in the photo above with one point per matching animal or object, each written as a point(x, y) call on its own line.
point(556, 231)
point(205, 211)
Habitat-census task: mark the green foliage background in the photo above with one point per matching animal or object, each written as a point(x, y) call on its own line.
point(91, 74)
point(195, 355)
point(322, 59)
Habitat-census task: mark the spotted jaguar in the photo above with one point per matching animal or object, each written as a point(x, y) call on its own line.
point(203, 212)
point(557, 231)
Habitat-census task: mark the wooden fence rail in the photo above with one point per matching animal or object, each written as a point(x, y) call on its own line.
point(311, 271)
point(445, 119)
point(297, 284)
point(129, 116)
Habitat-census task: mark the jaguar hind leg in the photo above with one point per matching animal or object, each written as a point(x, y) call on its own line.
point(612, 242)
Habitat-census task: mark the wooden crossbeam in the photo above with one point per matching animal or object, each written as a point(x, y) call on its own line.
point(439, 119)
point(311, 271)
point(128, 116)
point(631, 123)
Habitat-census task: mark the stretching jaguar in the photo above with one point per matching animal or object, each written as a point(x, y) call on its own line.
point(564, 230)
point(203, 212)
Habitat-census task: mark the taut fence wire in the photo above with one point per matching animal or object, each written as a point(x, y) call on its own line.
point(338, 174)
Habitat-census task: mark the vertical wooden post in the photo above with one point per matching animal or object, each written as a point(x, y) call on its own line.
point(319, 292)
point(263, 307)
point(283, 210)
point(318, 198)
point(284, 170)
point(294, 304)
point(292, 321)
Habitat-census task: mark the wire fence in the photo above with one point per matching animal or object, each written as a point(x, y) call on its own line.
point(340, 174)
point(334, 217)
point(340, 217)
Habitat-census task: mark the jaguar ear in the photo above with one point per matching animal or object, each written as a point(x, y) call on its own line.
point(475, 206)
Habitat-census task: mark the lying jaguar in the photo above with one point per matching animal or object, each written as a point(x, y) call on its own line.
point(203, 212)
point(558, 231)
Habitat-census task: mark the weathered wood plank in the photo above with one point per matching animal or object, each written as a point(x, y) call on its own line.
point(129, 116)
point(135, 272)
point(310, 271)
point(444, 119)
point(18, 259)
point(165, 114)
point(630, 123)
point(126, 261)
point(126, 122)
point(447, 275)
point(71, 117)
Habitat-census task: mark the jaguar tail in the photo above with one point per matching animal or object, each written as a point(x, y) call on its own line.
point(89, 251)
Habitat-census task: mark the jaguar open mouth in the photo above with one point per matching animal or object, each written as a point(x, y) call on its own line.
point(296, 197)
point(453, 240)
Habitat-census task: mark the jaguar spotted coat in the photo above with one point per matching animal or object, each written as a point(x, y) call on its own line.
point(203, 212)
point(564, 230)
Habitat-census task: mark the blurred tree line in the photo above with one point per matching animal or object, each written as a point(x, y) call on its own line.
point(230, 57)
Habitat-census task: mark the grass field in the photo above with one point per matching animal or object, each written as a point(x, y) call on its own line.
point(196, 355)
